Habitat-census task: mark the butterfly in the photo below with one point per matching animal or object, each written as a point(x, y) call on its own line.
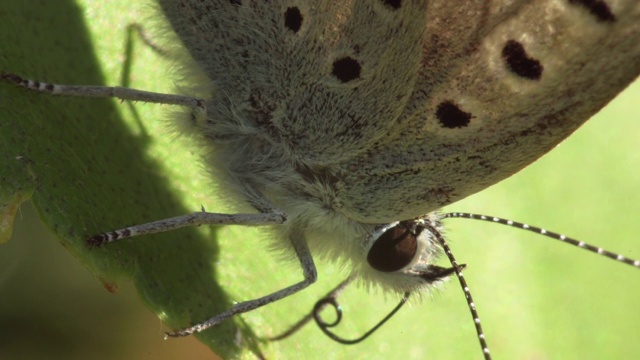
point(452, 112)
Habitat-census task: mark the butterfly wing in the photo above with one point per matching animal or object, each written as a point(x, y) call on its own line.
point(398, 108)
point(528, 81)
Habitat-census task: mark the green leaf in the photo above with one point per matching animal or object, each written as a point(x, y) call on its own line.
point(94, 165)
point(16, 185)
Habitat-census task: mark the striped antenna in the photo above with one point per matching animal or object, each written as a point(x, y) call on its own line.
point(465, 288)
point(550, 234)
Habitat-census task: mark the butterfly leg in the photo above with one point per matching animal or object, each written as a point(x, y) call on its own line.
point(309, 272)
point(333, 294)
point(193, 219)
point(118, 92)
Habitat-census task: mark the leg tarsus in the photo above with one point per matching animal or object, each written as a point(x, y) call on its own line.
point(333, 294)
point(310, 276)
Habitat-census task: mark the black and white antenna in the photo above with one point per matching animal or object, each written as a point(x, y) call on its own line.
point(331, 297)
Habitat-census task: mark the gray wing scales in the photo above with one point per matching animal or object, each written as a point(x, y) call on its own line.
point(401, 110)
point(499, 114)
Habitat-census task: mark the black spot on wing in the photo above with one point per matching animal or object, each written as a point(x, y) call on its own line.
point(346, 69)
point(393, 4)
point(293, 19)
point(451, 116)
point(599, 9)
point(519, 62)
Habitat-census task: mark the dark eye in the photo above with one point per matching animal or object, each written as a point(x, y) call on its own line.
point(394, 249)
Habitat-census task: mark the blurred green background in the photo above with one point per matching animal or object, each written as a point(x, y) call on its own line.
point(537, 299)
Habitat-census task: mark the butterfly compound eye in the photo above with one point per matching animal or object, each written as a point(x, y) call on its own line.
point(394, 249)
